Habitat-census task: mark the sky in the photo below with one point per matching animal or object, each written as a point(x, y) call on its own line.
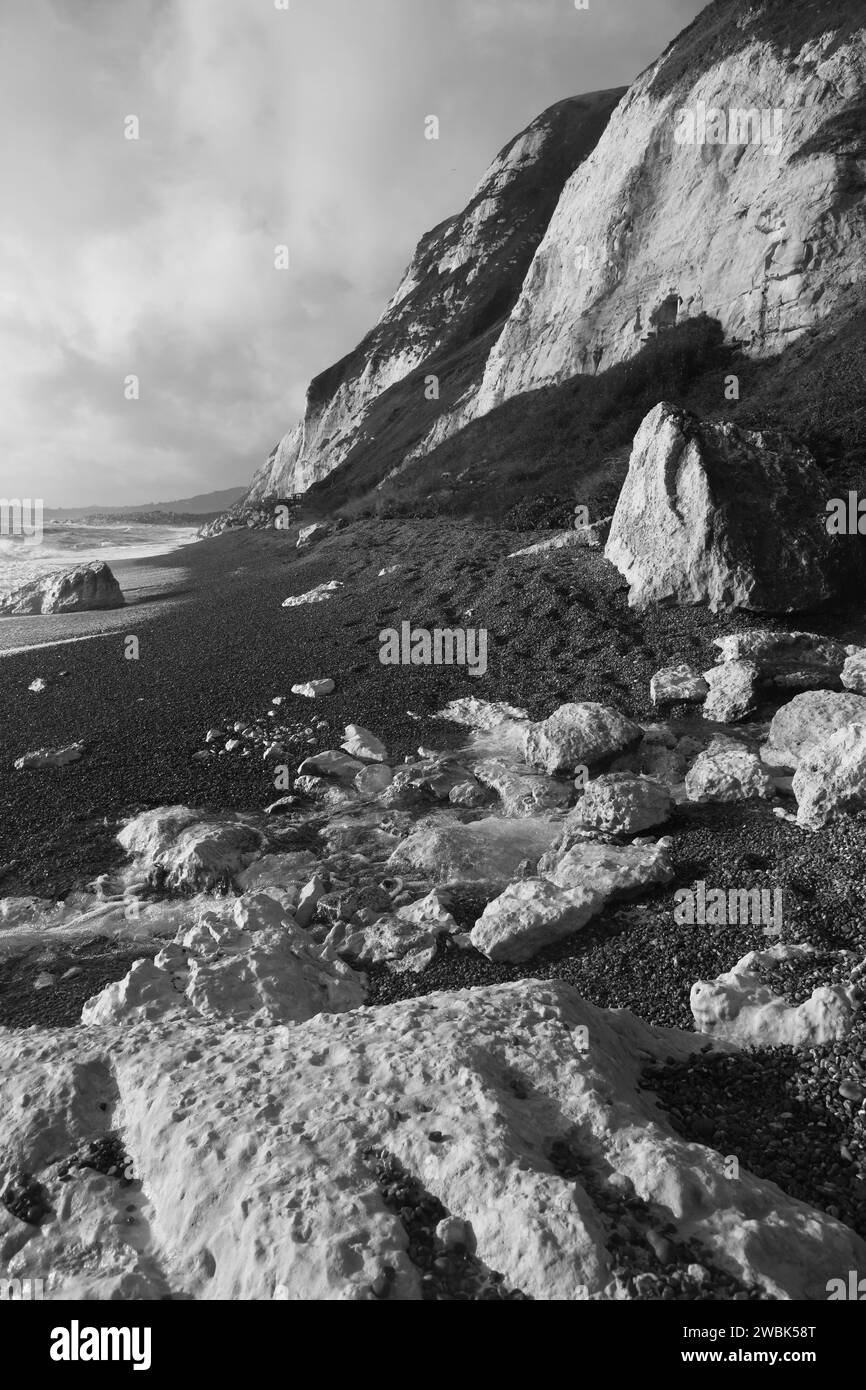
point(260, 124)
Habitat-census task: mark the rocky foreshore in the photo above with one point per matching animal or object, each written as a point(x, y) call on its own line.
point(461, 959)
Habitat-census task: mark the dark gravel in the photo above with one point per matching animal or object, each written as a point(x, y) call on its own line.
point(96, 964)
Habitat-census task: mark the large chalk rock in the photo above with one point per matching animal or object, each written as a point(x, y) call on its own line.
point(182, 850)
point(854, 671)
point(583, 734)
point(740, 1008)
point(259, 966)
point(808, 719)
point(831, 777)
point(728, 772)
point(623, 803)
point(711, 513)
point(87, 588)
point(732, 691)
point(614, 871)
point(251, 1156)
point(530, 914)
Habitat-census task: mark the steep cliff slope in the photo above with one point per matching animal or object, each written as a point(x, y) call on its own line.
point(731, 181)
point(462, 282)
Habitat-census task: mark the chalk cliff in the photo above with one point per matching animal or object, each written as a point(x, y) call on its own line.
point(463, 280)
point(729, 180)
point(680, 210)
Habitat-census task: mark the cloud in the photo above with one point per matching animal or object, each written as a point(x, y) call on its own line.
point(258, 127)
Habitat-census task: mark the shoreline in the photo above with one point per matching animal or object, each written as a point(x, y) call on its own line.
point(147, 584)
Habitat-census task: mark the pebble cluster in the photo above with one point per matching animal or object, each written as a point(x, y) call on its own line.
point(271, 737)
point(105, 1155)
point(25, 1198)
point(439, 1245)
point(796, 979)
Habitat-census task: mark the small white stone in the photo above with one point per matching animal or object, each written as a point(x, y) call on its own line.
point(314, 690)
point(362, 744)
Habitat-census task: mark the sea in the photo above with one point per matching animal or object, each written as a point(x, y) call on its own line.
point(66, 544)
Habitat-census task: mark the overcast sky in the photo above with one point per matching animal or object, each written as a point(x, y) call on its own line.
point(258, 127)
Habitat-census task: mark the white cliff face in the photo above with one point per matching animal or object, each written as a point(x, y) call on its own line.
point(465, 270)
point(764, 236)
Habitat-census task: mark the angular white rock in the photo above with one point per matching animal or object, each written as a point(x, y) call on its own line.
point(320, 594)
point(579, 734)
point(728, 772)
point(308, 901)
point(808, 719)
point(673, 684)
point(830, 780)
point(314, 532)
point(531, 914)
point(272, 973)
point(50, 757)
point(781, 653)
point(854, 672)
point(622, 803)
point(406, 939)
point(732, 691)
point(362, 744)
point(612, 871)
point(89, 587)
point(314, 690)
point(684, 526)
